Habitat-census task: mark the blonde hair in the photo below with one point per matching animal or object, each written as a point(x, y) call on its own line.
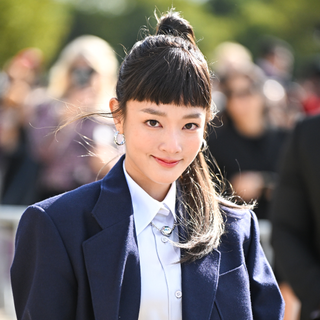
point(99, 55)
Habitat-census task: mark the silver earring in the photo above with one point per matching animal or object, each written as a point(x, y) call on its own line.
point(204, 145)
point(121, 143)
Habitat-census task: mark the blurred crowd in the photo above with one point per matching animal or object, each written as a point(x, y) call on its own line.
point(39, 156)
point(258, 102)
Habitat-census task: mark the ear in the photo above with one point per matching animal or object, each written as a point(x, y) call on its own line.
point(117, 118)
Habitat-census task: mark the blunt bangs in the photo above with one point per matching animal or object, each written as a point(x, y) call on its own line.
point(166, 74)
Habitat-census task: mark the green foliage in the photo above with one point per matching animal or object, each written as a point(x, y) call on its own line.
point(46, 23)
point(293, 21)
point(32, 23)
point(123, 30)
point(214, 21)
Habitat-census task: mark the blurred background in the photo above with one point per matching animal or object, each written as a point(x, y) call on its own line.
point(50, 24)
point(60, 56)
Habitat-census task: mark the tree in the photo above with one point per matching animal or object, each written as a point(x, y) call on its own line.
point(122, 29)
point(296, 22)
point(32, 23)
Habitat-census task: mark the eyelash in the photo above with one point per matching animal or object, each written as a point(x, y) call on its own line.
point(148, 122)
point(192, 124)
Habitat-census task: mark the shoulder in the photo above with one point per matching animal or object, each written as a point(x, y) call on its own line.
point(68, 208)
point(307, 128)
point(310, 122)
point(302, 140)
point(82, 197)
point(74, 209)
point(240, 239)
point(278, 133)
point(241, 230)
point(239, 223)
point(66, 218)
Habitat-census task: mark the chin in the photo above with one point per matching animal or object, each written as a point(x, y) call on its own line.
point(162, 179)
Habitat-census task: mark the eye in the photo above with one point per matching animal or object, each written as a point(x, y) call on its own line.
point(153, 123)
point(191, 126)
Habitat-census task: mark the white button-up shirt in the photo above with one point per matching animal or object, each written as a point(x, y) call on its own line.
point(160, 273)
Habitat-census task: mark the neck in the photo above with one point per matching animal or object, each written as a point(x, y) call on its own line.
point(157, 193)
point(155, 190)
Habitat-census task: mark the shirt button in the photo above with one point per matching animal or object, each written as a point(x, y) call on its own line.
point(178, 294)
point(164, 239)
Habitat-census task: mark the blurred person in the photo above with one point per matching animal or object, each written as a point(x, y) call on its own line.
point(82, 80)
point(295, 214)
point(276, 59)
point(153, 239)
point(245, 148)
point(311, 85)
point(229, 57)
point(284, 105)
point(18, 169)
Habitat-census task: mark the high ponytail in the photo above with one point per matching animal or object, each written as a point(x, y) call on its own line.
point(173, 24)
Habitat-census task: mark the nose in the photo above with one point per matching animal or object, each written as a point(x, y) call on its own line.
point(171, 142)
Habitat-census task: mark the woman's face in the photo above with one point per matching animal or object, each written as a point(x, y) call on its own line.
point(243, 100)
point(85, 83)
point(161, 142)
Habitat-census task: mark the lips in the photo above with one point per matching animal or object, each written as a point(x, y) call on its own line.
point(168, 163)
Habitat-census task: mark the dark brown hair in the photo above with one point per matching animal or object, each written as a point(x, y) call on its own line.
point(165, 68)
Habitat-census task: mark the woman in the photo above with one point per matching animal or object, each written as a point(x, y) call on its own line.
point(85, 75)
point(18, 83)
point(250, 160)
point(152, 240)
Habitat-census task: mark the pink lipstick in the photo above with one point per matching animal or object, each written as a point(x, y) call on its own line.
point(166, 163)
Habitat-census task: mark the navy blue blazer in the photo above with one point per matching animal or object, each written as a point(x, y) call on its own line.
point(77, 258)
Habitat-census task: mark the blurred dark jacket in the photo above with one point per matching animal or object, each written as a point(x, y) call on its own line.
point(236, 153)
point(296, 215)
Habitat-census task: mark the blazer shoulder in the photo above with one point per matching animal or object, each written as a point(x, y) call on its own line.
point(237, 215)
point(69, 213)
point(240, 224)
point(82, 197)
point(69, 208)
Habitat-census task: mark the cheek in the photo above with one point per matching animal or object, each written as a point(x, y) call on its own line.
point(193, 145)
point(137, 139)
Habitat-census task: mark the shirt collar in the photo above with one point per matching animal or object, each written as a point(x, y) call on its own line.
point(145, 207)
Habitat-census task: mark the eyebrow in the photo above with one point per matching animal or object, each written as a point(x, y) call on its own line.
point(153, 111)
point(193, 115)
point(163, 114)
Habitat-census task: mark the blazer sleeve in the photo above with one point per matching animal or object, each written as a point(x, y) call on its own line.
point(267, 302)
point(43, 281)
point(292, 235)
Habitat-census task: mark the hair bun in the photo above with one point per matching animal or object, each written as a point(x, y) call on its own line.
point(173, 24)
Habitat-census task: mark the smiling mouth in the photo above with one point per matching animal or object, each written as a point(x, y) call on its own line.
point(166, 163)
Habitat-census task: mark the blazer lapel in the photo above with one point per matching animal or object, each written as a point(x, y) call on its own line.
point(199, 278)
point(111, 256)
point(199, 286)
point(112, 261)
